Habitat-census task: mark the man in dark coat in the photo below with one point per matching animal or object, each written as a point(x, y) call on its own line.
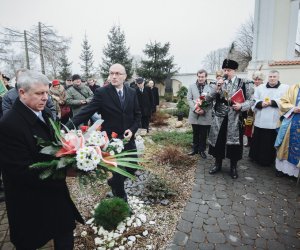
point(38, 210)
point(145, 98)
point(92, 85)
point(155, 95)
point(118, 106)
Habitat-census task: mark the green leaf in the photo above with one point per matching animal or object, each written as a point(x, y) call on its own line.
point(118, 170)
point(46, 174)
point(42, 142)
point(44, 164)
point(129, 165)
point(131, 159)
point(124, 153)
point(65, 161)
point(49, 150)
point(56, 128)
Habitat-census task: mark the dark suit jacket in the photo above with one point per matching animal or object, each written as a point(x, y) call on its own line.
point(155, 96)
point(116, 119)
point(145, 100)
point(37, 209)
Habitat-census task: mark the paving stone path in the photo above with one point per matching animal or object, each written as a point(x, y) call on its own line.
point(256, 211)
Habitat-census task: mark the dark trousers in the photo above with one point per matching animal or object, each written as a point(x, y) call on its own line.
point(61, 242)
point(145, 122)
point(117, 181)
point(232, 152)
point(200, 133)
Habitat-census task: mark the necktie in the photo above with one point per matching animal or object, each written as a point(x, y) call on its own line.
point(121, 98)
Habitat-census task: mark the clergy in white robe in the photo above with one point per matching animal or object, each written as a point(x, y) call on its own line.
point(267, 115)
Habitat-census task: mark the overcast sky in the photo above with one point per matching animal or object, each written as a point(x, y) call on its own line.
point(193, 27)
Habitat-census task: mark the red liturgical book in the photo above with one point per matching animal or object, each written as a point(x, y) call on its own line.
point(238, 97)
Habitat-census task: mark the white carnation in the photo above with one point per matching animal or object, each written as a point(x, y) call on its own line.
point(87, 158)
point(96, 138)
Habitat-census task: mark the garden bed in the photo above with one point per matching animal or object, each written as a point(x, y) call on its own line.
point(162, 213)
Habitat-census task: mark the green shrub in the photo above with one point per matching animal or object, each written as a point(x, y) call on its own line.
point(110, 212)
point(181, 139)
point(182, 106)
point(184, 110)
point(170, 111)
point(158, 188)
point(168, 97)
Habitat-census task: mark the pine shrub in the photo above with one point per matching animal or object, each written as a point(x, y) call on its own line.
point(110, 212)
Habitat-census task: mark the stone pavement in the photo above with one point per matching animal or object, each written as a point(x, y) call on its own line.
point(256, 211)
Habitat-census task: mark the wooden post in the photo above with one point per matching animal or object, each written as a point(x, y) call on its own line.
point(41, 49)
point(26, 50)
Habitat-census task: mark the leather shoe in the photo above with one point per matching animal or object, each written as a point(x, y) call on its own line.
point(215, 169)
point(203, 155)
point(193, 153)
point(279, 173)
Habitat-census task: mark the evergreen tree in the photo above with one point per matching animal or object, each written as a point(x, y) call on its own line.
point(160, 65)
point(64, 65)
point(87, 59)
point(116, 52)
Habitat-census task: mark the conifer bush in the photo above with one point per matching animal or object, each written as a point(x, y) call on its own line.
point(110, 212)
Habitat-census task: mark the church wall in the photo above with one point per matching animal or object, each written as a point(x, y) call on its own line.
point(289, 74)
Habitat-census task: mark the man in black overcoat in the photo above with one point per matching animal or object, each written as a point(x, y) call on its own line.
point(38, 210)
point(145, 98)
point(155, 95)
point(118, 106)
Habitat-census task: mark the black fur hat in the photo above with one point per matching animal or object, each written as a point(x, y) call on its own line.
point(230, 64)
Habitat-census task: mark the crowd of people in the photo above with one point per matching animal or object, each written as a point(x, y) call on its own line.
point(266, 113)
point(40, 210)
point(221, 113)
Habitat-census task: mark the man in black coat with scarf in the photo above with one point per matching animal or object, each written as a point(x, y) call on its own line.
point(38, 210)
point(118, 106)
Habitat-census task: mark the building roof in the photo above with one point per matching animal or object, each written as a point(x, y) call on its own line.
point(283, 63)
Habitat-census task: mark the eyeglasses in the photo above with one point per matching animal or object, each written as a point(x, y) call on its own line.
point(116, 73)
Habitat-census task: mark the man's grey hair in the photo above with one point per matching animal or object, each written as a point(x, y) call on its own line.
point(274, 71)
point(28, 78)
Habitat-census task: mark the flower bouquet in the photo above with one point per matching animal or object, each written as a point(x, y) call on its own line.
point(201, 102)
point(87, 152)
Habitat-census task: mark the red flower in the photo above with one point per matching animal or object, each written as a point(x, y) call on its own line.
point(114, 135)
point(84, 128)
point(202, 97)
